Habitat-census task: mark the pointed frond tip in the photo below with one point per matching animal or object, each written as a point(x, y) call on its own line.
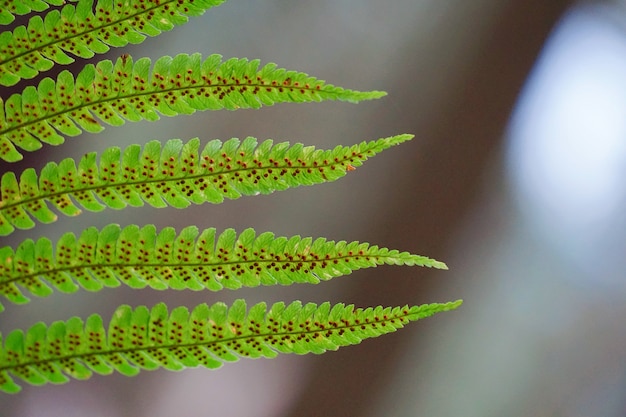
point(208, 336)
point(141, 257)
point(114, 93)
point(173, 174)
point(83, 30)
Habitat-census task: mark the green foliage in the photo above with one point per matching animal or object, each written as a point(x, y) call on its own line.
point(114, 93)
point(207, 336)
point(78, 30)
point(174, 174)
point(10, 8)
point(140, 257)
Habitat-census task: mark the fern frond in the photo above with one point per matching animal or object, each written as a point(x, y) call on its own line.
point(79, 31)
point(207, 336)
point(114, 93)
point(140, 257)
point(173, 174)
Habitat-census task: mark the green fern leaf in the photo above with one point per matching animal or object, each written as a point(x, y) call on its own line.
point(207, 336)
point(173, 175)
point(10, 8)
point(79, 31)
point(140, 257)
point(114, 93)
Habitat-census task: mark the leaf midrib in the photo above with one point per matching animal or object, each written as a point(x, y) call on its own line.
point(127, 265)
point(83, 105)
point(166, 179)
point(404, 314)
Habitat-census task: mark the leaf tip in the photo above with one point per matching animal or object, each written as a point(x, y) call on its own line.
point(440, 265)
point(404, 137)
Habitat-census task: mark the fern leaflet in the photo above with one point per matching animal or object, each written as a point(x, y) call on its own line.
point(173, 174)
point(10, 8)
point(131, 91)
point(207, 336)
point(77, 30)
point(140, 257)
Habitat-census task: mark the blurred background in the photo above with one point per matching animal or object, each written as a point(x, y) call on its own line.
point(515, 179)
